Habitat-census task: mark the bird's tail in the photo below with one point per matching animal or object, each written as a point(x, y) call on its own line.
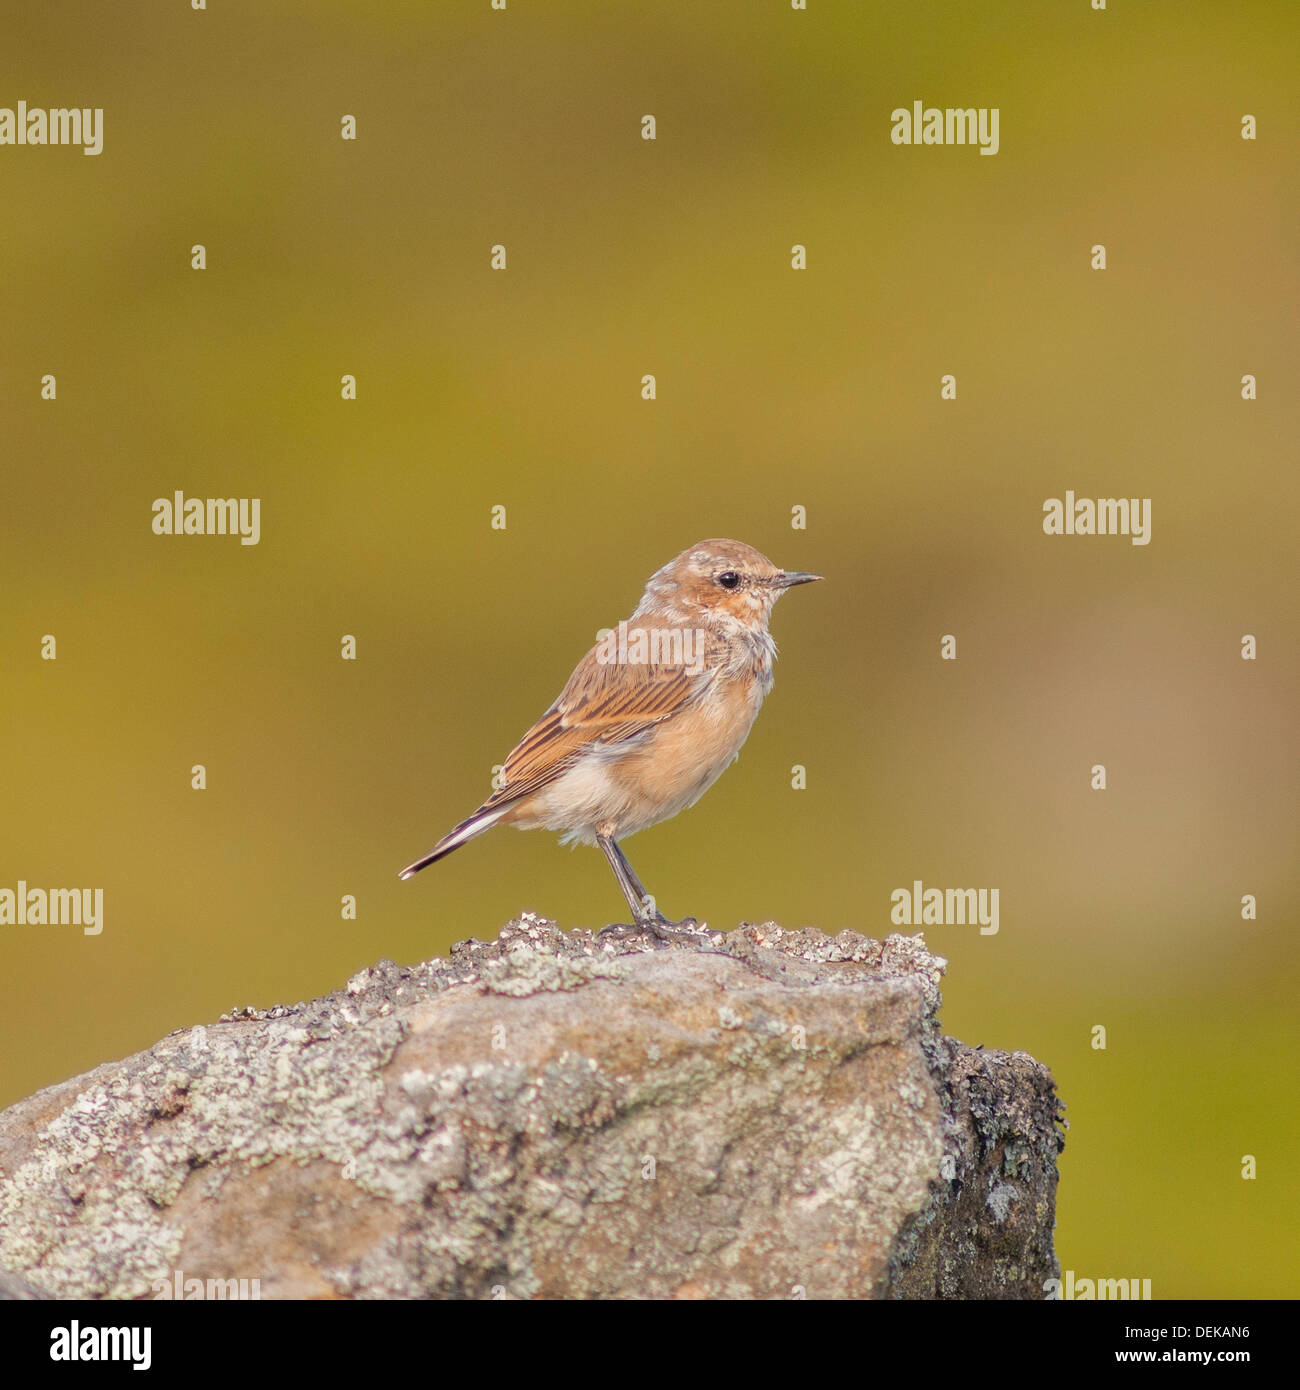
point(482, 819)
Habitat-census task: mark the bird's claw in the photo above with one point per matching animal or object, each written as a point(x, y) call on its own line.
point(687, 932)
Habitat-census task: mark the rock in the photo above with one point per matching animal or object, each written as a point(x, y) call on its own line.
point(12, 1287)
point(549, 1115)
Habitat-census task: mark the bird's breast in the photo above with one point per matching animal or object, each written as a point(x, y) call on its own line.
point(684, 756)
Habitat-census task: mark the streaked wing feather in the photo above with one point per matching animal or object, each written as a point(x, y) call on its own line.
point(602, 703)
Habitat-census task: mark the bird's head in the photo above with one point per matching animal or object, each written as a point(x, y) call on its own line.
point(722, 579)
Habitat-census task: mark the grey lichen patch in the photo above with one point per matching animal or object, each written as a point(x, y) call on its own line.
point(1001, 1197)
point(554, 1114)
point(530, 971)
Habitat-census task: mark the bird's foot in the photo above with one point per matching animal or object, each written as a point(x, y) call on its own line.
point(687, 932)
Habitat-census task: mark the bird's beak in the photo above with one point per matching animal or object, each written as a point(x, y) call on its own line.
point(787, 579)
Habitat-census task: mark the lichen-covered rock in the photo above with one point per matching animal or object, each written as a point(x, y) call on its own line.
point(12, 1288)
point(552, 1115)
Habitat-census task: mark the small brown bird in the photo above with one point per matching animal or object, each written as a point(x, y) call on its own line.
point(650, 718)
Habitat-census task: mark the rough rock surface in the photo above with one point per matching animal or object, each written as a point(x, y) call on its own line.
point(550, 1115)
point(13, 1288)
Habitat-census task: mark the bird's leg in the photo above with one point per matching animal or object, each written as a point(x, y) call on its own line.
point(645, 914)
point(633, 889)
point(642, 897)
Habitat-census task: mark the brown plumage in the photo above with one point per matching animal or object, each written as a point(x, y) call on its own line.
point(652, 715)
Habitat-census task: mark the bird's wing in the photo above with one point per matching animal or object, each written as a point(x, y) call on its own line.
point(603, 703)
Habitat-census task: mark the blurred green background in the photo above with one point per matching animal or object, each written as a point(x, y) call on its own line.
point(775, 389)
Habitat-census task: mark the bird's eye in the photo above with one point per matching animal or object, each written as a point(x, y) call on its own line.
point(729, 580)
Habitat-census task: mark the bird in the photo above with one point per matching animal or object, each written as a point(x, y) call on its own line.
point(650, 718)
